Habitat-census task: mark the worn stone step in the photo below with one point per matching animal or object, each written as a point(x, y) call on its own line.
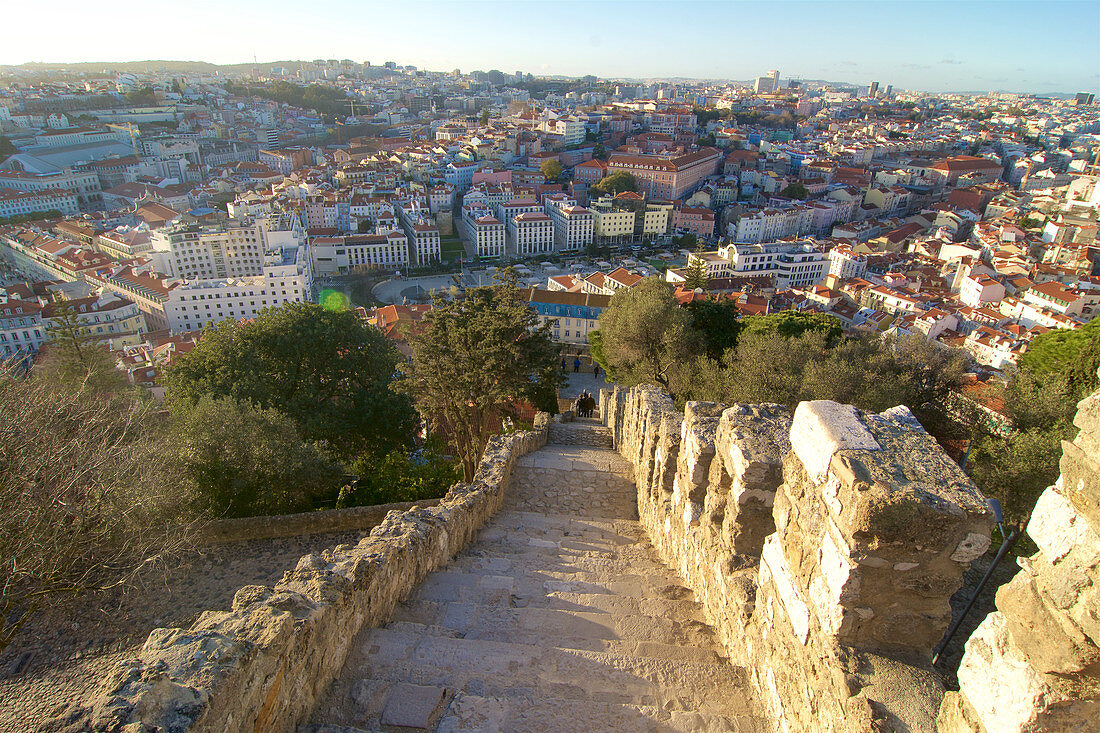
point(666, 638)
point(521, 713)
point(534, 558)
point(474, 713)
point(504, 669)
point(494, 589)
point(589, 641)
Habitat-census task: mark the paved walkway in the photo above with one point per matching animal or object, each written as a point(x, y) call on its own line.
point(558, 618)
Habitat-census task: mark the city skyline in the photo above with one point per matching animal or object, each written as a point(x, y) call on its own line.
point(929, 46)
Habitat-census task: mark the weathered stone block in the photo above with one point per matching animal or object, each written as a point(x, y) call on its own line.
point(1011, 696)
point(821, 428)
point(1048, 638)
point(1081, 482)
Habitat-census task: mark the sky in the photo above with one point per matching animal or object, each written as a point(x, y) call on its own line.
point(969, 45)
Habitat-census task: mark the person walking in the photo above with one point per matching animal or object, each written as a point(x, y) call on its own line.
point(563, 364)
point(576, 364)
point(596, 371)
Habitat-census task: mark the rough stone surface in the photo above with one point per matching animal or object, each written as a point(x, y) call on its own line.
point(559, 617)
point(825, 561)
point(1034, 665)
point(263, 664)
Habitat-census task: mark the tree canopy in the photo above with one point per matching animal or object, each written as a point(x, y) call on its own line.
point(550, 169)
point(246, 461)
point(616, 183)
point(795, 191)
point(475, 357)
point(644, 335)
point(327, 370)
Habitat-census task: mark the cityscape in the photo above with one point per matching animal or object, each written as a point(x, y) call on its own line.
point(701, 366)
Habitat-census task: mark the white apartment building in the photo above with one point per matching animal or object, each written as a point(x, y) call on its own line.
point(287, 277)
point(335, 255)
point(83, 184)
point(203, 253)
point(573, 225)
point(419, 228)
point(21, 327)
point(531, 233)
point(769, 225)
point(508, 210)
point(845, 263)
point(486, 236)
point(794, 264)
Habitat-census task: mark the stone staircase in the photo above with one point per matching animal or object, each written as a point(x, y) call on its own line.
point(559, 617)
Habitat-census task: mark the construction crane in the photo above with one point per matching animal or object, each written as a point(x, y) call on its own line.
point(130, 128)
point(353, 104)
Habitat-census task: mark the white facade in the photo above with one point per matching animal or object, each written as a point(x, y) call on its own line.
point(15, 203)
point(194, 305)
point(573, 225)
point(335, 255)
point(794, 264)
point(845, 263)
point(531, 233)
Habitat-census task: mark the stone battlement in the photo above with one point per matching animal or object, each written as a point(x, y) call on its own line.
point(824, 546)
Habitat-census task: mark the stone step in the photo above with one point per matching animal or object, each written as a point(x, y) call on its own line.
point(523, 671)
point(536, 556)
point(469, 713)
point(622, 531)
point(466, 712)
point(495, 589)
point(667, 638)
point(590, 641)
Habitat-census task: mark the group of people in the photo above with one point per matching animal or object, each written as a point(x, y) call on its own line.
point(585, 404)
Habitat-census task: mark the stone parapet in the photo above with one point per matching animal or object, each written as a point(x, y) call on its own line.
point(1034, 664)
point(824, 546)
point(263, 664)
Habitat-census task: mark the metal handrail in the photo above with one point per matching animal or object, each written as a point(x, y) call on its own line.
point(1006, 546)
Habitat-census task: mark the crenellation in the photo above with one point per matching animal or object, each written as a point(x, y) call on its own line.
point(824, 546)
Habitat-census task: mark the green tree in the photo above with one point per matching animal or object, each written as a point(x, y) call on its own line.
point(364, 226)
point(1060, 350)
point(616, 183)
point(474, 359)
point(788, 324)
point(718, 322)
point(795, 191)
point(706, 141)
point(426, 473)
point(550, 169)
point(142, 97)
point(6, 147)
point(484, 117)
point(326, 369)
point(248, 461)
point(644, 333)
point(696, 272)
point(599, 151)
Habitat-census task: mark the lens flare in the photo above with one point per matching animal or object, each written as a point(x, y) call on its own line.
point(334, 300)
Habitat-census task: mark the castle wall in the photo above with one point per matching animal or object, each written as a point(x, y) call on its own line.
point(824, 546)
point(1034, 664)
point(263, 664)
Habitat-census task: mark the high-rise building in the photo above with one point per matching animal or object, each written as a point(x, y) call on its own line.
point(767, 83)
point(872, 91)
point(889, 90)
point(1083, 98)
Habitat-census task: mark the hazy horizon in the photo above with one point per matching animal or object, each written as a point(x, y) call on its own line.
point(970, 46)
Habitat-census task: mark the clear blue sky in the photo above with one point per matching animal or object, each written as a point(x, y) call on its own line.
point(1045, 46)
